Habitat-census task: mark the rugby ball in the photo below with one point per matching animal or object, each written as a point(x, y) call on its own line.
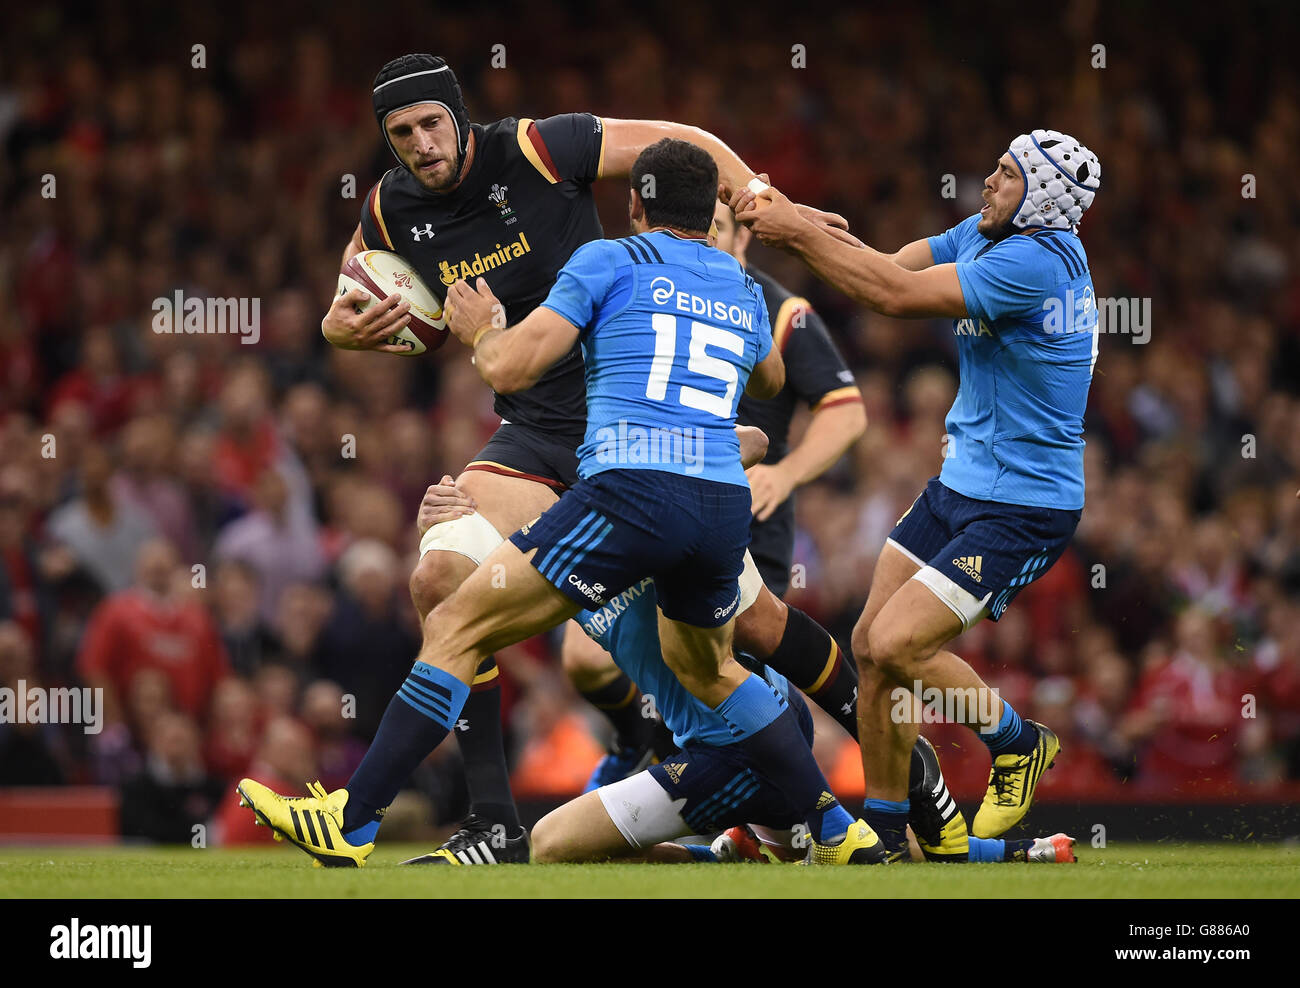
point(380, 273)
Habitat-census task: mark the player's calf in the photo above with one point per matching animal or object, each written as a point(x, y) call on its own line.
point(800, 649)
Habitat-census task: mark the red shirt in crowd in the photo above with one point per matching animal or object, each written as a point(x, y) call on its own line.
point(134, 630)
point(239, 461)
point(1200, 707)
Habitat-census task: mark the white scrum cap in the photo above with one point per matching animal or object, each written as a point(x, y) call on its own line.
point(1061, 179)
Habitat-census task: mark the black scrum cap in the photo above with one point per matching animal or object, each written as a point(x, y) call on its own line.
point(414, 79)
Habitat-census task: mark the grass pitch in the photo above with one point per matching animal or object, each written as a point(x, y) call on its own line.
point(1119, 871)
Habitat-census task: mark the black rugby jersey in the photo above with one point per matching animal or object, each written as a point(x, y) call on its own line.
point(815, 373)
point(524, 207)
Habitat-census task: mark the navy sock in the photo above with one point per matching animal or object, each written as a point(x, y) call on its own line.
point(768, 731)
point(418, 717)
point(1017, 850)
point(487, 776)
point(888, 818)
point(621, 702)
point(1013, 736)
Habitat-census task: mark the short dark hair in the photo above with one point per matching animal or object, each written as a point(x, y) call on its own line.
point(678, 182)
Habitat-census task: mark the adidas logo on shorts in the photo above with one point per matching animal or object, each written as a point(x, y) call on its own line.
point(971, 566)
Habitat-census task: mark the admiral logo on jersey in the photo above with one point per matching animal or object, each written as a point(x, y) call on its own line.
point(449, 272)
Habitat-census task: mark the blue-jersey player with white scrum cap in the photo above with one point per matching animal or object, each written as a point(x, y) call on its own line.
point(1015, 280)
point(672, 332)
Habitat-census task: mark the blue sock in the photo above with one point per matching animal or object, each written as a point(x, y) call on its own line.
point(701, 852)
point(767, 730)
point(418, 717)
point(993, 849)
point(1013, 736)
point(888, 818)
point(986, 849)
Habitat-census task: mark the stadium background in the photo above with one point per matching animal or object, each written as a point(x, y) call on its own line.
point(227, 181)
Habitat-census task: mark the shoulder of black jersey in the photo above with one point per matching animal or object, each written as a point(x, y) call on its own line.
point(523, 137)
point(785, 311)
point(503, 131)
point(495, 145)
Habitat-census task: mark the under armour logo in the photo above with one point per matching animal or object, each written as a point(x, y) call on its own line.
point(417, 233)
point(462, 724)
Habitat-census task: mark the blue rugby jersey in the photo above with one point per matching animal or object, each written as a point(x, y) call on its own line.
point(1026, 352)
point(628, 629)
point(671, 330)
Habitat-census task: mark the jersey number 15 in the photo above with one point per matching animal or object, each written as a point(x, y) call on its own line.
point(703, 335)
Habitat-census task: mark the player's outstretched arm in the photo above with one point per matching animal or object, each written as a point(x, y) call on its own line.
point(625, 139)
point(906, 285)
point(508, 359)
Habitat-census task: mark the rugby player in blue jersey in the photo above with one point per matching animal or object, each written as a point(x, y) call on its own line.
point(672, 331)
point(1015, 280)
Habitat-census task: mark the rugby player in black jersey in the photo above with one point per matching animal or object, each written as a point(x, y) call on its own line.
point(509, 201)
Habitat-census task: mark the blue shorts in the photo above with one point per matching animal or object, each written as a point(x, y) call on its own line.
point(988, 549)
point(617, 527)
point(724, 788)
point(699, 790)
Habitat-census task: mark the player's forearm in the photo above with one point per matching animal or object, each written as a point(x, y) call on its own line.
point(731, 169)
point(506, 361)
point(355, 246)
point(862, 273)
point(829, 435)
point(753, 444)
point(768, 377)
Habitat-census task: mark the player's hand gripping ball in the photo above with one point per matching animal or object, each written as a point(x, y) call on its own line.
point(383, 304)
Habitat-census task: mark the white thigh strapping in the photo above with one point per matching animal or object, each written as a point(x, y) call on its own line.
point(473, 536)
point(751, 584)
point(963, 603)
point(642, 811)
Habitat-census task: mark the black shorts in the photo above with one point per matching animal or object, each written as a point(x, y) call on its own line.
point(521, 451)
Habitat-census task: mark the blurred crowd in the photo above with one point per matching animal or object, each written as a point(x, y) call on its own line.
point(219, 534)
